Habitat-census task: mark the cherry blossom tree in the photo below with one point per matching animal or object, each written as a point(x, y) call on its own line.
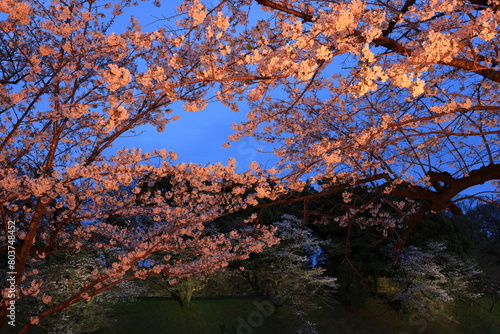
point(400, 96)
point(430, 275)
point(70, 85)
point(274, 271)
point(62, 274)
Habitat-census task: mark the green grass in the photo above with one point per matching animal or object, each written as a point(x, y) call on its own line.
point(470, 318)
point(228, 315)
point(203, 316)
point(241, 315)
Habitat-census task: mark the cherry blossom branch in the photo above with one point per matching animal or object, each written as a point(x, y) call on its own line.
point(395, 46)
point(283, 8)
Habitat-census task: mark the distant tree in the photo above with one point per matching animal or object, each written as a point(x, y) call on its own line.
point(481, 226)
point(487, 220)
point(184, 288)
point(284, 271)
point(61, 275)
point(445, 229)
point(429, 275)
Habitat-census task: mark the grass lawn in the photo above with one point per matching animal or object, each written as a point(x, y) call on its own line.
point(257, 315)
point(244, 316)
point(203, 316)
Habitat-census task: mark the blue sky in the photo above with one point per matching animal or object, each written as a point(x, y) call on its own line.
point(198, 137)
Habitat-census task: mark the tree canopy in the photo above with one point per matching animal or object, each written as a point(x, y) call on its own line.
point(398, 96)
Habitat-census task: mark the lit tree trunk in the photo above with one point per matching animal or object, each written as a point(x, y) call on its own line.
point(185, 289)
